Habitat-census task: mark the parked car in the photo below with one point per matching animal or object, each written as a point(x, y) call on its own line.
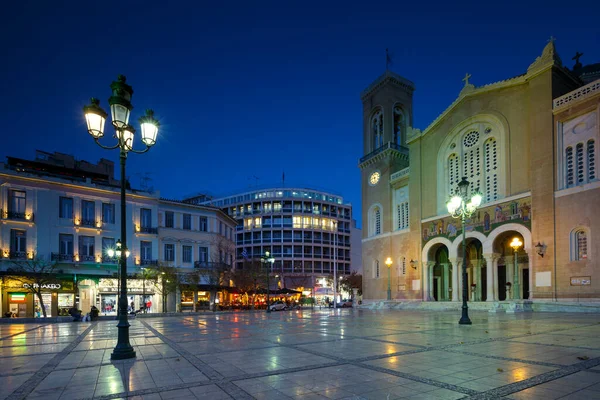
point(277, 306)
point(347, 303)
point(342, 304)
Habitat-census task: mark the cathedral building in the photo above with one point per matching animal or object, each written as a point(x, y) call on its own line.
point(527, 144)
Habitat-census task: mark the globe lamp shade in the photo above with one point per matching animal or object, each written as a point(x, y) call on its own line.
point(476, 199)
point(150, 127)
point(453, 204)
point(516, 244)
point(125, 136)
point(120, 102)
point(95, 117)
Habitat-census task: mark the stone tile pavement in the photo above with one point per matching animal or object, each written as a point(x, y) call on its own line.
point(321, 354)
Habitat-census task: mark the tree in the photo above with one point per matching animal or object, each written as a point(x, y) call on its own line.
point(168, 280)
point(216, 273)
point(250, 277)
point(35, 275)
point(352, 281)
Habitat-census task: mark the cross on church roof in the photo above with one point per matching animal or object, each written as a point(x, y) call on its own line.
point(577, 57)
point(466, 78)
point(552, 39)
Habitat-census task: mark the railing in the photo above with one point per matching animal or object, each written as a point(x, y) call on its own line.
point(109, 260)
point(211, 265)
point(148, 262)
point(87, 258)
point(149, 230)
point(17, 255)
point(88, 223)
point(387, 146)
point(62, 257)
point(18, 216)
point(581, 93)
point(400, 174)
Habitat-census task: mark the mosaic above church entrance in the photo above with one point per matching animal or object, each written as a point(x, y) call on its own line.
point(483, 220)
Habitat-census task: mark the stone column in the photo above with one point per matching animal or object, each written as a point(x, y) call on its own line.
point(430, 266)
point(476, 263)
point(491, 261)
point(509, 261)
point(456, 267)
point(446, 283)
point(530, 254)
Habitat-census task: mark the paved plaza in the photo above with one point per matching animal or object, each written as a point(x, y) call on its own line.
point(322, 354)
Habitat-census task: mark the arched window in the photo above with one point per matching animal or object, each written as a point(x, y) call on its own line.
point(591, 160)
point(399, 125)
point(374, 220)
point(579, 245)
point(377, 129)
point(570, 173)
point(475, 154)
point(580, 163)
point(577, 160)
point(402, 210)
point(453, 173)
point(490, 149)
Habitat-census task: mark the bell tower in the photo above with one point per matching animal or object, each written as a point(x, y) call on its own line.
point(387, 117)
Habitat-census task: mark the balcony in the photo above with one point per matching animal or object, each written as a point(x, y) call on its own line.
point(62, 257)
point(109, 260)
point(17, 255)
point(87, 258)
point(148, 230)
point(19, 216)
point(149, 262)
point(212, 265)
point(87, 223)
point(391, 148)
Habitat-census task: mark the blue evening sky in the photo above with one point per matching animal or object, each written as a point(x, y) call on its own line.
point(253, 88)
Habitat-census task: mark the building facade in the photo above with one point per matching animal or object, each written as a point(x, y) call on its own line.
point(199, 241)
point(500, 137)
point(67, 213)
point(309, 234)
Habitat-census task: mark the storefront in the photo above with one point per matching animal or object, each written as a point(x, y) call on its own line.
point(140, 294)
point(20, 300)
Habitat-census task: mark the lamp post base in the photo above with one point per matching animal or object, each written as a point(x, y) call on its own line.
point(389, 294)
point(122, 353)
point(464, 319)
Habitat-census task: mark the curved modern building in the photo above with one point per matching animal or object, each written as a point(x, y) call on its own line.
point(306, 231)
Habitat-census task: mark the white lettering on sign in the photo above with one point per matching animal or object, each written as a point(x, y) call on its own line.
point(44, 286)
point(581, 280)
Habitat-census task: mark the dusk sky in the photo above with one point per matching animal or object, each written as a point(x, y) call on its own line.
point(252, 89)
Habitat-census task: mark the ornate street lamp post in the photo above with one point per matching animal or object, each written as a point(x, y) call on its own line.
point(268, 262)
point(461, 206)
point(388, 262)
point(95, 116)
point(516, 245)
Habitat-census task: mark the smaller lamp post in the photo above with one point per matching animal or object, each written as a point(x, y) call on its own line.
point(117, 252)
point(388, 262)
point(164, 297)
point(461, 206)
point(516, 245)
point(268, 262)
